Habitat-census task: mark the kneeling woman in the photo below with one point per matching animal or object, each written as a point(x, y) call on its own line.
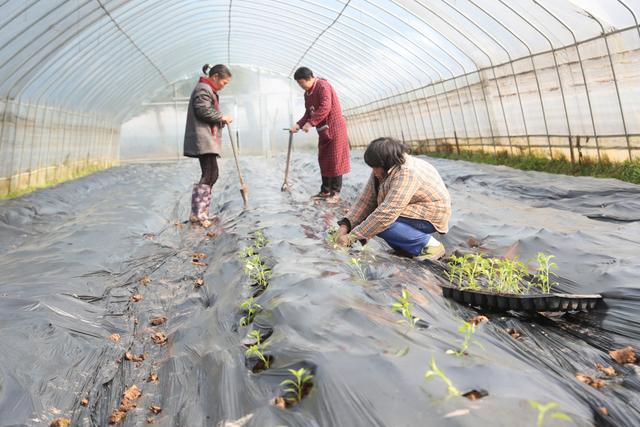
point(404, 202)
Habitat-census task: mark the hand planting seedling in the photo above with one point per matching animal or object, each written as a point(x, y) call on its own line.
point(434, 371)
point(543, 409)
point(250, 308)
point(302, 380)
point(403, 306)
point(468, 329)
point(544, 271)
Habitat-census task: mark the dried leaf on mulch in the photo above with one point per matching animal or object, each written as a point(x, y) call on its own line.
point(479, 319)
point(84, 402)
point(114, 337)
point(133, 358)
point(159, 338)
point(127, 403)
point(137, 297)
point(60, 422)
point(155, 409)
point(199, 282)
point(624, 355)
point(609, 370)
point(153, 377)
point(593, 382)
point(145, 280)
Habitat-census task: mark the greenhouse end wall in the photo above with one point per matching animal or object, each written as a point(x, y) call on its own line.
point(41, 144)
point(578, 101)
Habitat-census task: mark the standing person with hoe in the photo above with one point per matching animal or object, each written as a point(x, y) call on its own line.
point(202, 136)
point(323, 111)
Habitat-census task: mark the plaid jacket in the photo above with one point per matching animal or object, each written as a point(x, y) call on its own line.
point(412, 190)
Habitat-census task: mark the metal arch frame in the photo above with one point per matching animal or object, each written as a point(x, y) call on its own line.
point(515, 79)
point(478, 70)
point(20, 67)
point(555, 63)
point(510, 62)
point(464, 124)
point(492, 67)
point(365, 35)
point(465, 72)
point(318, 37)
point(384, 24)
point(584, 77)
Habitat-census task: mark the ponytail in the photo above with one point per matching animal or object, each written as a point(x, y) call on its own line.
point(221, 70)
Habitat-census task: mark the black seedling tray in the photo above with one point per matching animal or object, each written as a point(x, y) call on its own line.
point(505, 302)
point(518, 302)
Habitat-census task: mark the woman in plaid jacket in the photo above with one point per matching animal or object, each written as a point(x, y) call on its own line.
point(404, 202)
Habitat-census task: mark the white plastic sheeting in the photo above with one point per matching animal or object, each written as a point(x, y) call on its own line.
point(511, 57)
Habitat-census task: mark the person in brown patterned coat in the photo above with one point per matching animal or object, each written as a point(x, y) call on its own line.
point(323, 111)
point(202, 136)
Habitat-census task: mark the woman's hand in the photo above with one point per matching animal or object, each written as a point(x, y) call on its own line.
point(295, 128)
point(344, 240)
point(307, 126)
point(226, 119)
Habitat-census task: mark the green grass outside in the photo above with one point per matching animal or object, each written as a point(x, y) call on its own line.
point(628, 171)
point(87, 170)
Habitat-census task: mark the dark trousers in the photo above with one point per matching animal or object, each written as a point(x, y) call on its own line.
point(209, 167)
point(331, 184)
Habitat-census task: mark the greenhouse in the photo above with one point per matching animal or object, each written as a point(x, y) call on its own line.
point(470, 257)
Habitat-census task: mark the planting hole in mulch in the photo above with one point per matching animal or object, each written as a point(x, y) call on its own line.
point(476, 394)
point(515, 334)
point(248, 341)
point(256, 365)
point(158, 320)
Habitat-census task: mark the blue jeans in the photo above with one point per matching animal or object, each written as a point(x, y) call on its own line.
point(408, 235)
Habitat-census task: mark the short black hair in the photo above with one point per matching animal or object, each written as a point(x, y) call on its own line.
point(385, 153)
point(220, 69)
point(303, 73)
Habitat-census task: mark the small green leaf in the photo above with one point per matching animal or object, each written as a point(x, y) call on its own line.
point(561, 416)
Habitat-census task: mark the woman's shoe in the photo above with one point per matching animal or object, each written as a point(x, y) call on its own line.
point(321, 196)
point(432, 253)
point(333, 199)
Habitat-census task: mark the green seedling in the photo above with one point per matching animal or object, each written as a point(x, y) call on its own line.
point(259, 240)
point(257, 271)
point(250, 308)
point(434, 371)
point(247, 251)
point(332, 237)
point(544, 272)
point(256, 350)
point(403, 306)
point(255, 334)
point(356, 265)
point(543, 409)
point(467, 329)
point(297, 385)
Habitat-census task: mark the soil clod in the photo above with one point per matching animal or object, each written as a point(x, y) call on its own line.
point(114, 337)
point(60, 422)
point(476, 394)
